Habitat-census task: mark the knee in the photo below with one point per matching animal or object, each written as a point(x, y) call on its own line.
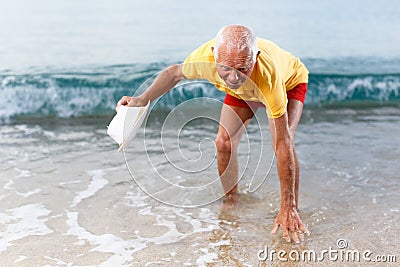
point(223, 143)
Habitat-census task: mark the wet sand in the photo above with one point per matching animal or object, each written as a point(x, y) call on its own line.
point(67, 198)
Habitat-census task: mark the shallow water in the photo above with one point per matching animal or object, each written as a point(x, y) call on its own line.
point(67, 198)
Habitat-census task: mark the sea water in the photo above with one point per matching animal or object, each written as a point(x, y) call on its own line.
point(68, 198)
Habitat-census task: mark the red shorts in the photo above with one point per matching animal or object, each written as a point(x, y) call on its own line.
point(298, 93)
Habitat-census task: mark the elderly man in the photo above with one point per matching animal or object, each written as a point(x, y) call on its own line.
point(253, 72)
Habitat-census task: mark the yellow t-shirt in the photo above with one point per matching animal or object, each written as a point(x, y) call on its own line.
point(275, 72)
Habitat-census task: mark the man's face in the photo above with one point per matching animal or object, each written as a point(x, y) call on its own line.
point(234, 66)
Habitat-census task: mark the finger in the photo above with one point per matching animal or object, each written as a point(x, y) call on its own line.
point(122, 102)
point(286, 235)
point(125, 100)
point(304, 230)
point(295, 237)
point(301, 235)
point(275, 229)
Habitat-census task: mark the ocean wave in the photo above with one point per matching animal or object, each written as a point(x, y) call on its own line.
point(95, 90)
point(336, 89)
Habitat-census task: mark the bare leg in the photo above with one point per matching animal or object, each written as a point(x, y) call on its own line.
point(294, 110)
point(233, 121)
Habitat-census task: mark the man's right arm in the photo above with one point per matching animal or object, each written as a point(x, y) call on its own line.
point(164, 82)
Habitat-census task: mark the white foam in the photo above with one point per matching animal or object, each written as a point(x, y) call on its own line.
point(97, 183)
point(172, 236)
point(7, 80)
point(206, 258)
point(28, 129)
point(8, 186)
point(23, 173)
point(149, 263)
point(107, 243)
point(58, 262)
point(20, 258)
point(70, 182)
point(24, 221)
point(29, 193)
point(136, 200)
point(123, 250)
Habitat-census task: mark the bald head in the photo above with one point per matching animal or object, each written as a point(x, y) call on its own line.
point(236, 38)
point(235, 52)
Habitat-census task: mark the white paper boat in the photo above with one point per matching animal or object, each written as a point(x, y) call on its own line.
point(125, 124)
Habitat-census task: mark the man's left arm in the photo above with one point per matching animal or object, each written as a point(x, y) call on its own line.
point(288, 217)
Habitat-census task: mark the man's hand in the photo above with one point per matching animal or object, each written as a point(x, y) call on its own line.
point(292, 226)
point(130, 102)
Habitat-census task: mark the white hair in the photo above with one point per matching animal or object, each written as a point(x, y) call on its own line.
point(236, 37)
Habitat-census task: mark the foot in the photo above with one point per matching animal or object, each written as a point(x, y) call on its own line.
point(230, 201)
